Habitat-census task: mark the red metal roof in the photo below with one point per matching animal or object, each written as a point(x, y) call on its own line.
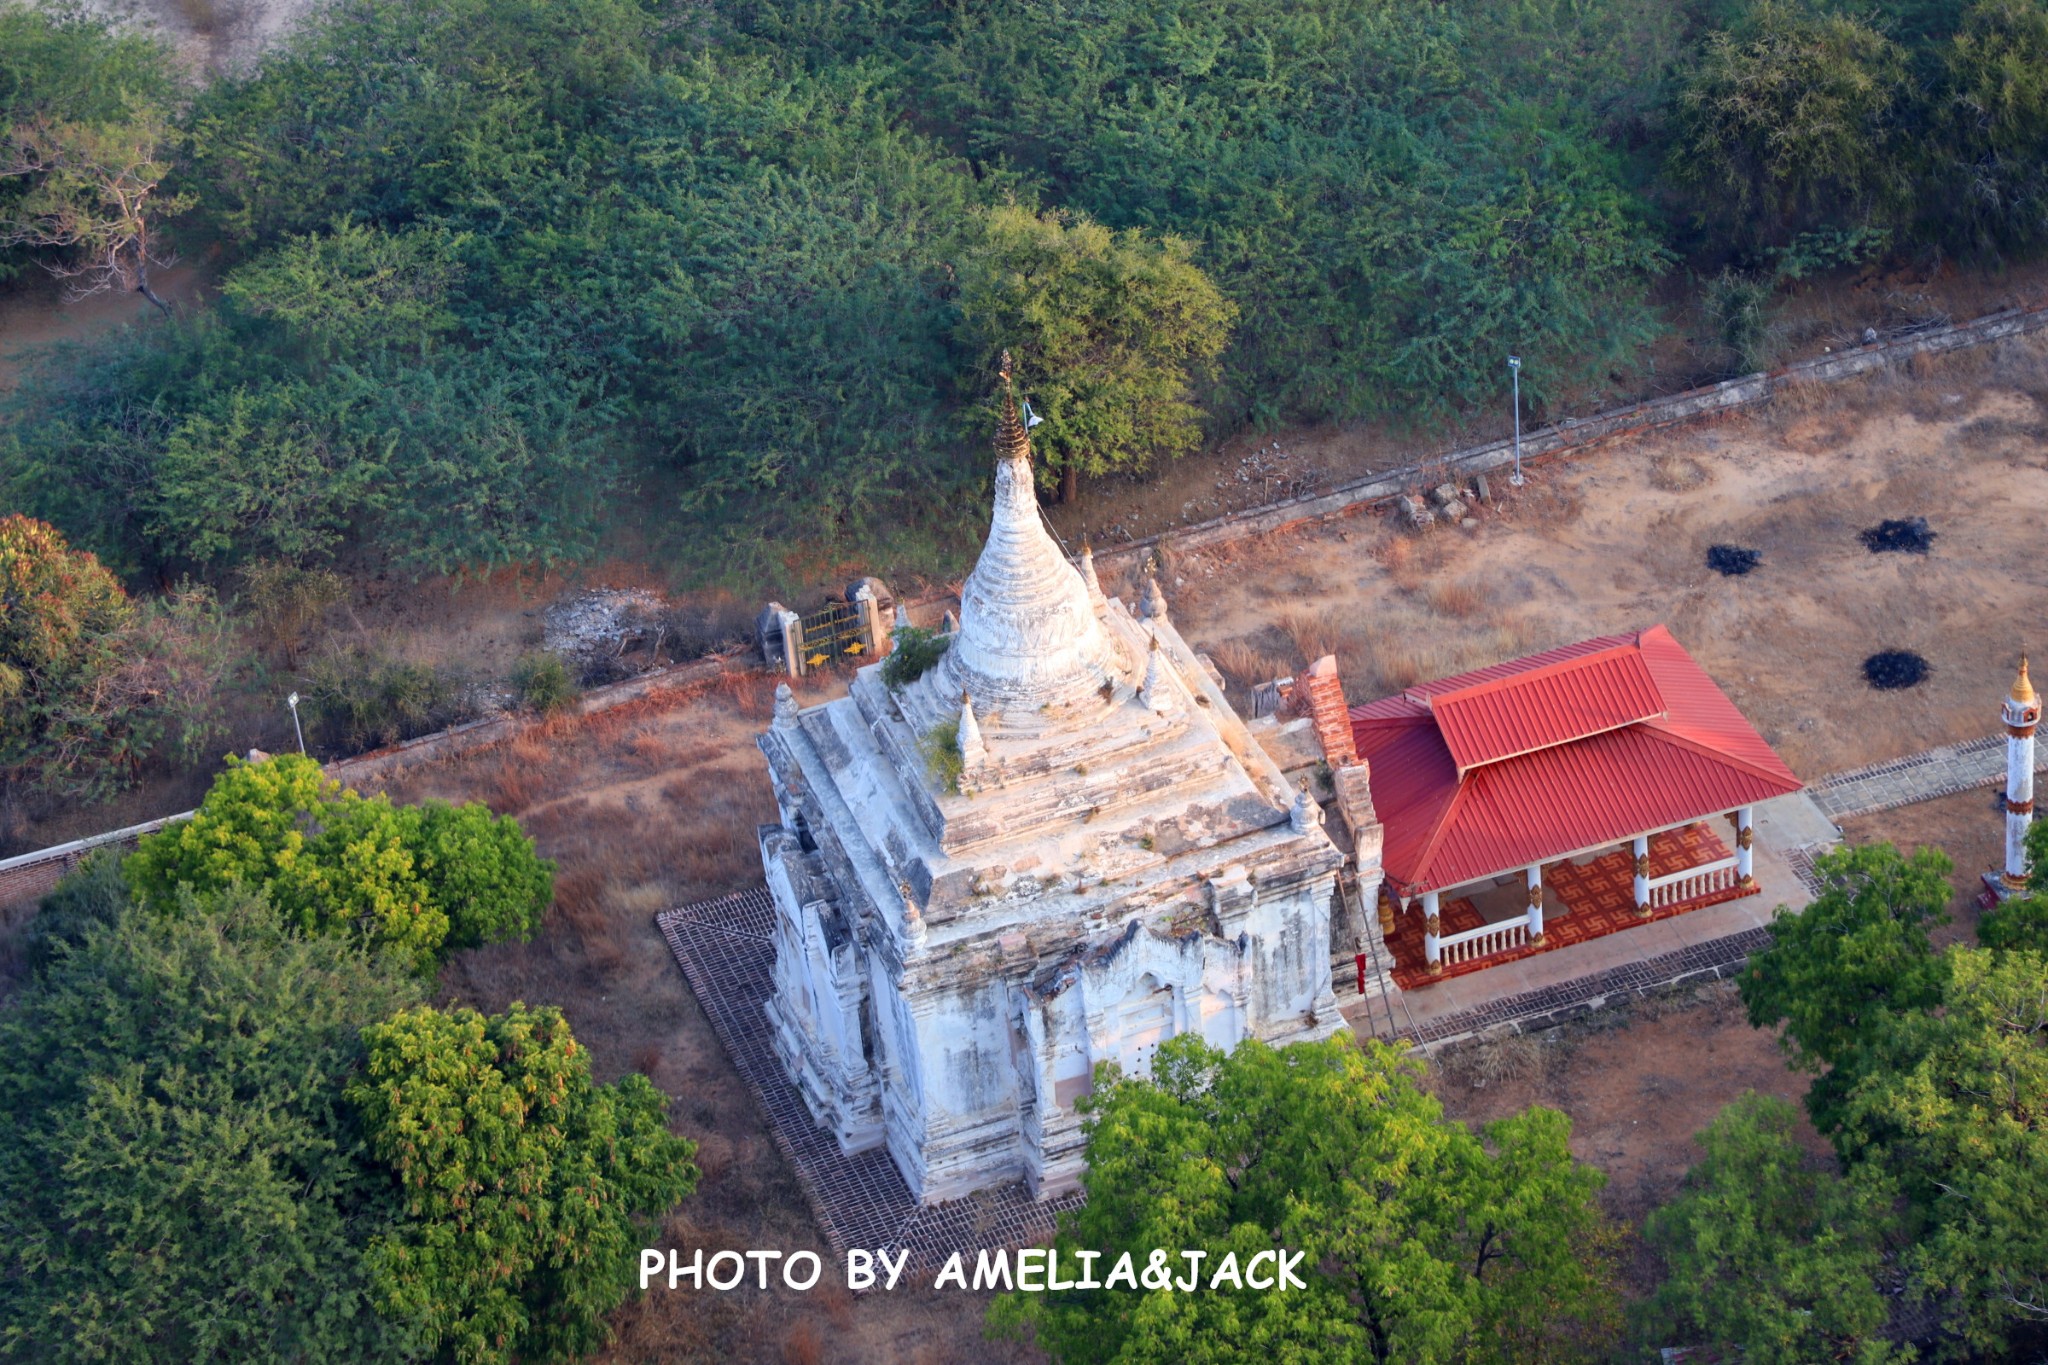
point(1536, 760)
point(1544, 705)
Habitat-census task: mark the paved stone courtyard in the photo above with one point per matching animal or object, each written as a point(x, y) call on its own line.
point(726, 950)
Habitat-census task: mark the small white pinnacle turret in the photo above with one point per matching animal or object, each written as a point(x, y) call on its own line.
point(1306, 814)
point(1153, 605)
point(785, 707)
point(972, 751)
point(1158, 693)
point(1088, 572)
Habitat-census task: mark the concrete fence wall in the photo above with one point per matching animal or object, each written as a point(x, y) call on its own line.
point(29, 877)
point(1732, 395)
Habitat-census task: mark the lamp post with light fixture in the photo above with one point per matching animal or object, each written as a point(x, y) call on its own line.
point(1515, 369)
point(293, 702)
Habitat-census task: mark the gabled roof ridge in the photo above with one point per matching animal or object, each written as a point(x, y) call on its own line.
point(1628, 645)
point(1438, 829)
point(1596, 647)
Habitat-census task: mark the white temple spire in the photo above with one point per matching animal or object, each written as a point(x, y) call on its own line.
point(1028, 638)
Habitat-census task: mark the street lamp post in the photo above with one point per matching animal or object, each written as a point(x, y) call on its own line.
point(1515, 369)
point(293, 702)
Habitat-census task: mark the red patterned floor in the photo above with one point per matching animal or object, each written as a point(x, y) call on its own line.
point(1580, 903)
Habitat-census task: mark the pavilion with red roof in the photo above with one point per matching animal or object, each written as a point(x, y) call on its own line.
point(1600, 762)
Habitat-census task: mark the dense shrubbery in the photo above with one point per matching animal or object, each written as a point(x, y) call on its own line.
point(1419, 1240)
point(493, 259)
point(232, 1141)
point(1933, 1088)
point(92, 684)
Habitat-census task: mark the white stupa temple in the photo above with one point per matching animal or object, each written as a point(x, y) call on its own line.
point(1118, 862)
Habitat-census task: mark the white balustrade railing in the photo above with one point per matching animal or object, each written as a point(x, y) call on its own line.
point(1484, 941)
point(1692, 883)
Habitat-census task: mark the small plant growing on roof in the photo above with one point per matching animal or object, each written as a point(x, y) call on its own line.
point(942, 758)
point(914, 652)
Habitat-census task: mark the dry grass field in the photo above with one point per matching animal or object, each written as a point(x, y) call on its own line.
point(1616, 540)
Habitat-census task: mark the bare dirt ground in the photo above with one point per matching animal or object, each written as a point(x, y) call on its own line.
point(1616, 540)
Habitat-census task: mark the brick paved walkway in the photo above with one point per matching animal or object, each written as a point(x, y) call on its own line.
point(726, 949)
point(1535, 1010)
point(1916, 777)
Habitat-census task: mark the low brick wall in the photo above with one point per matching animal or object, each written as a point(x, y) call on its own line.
point(29, 877)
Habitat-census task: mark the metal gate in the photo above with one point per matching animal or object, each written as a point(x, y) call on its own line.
point(836, 631)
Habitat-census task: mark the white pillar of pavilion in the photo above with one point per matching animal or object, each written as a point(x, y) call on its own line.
point(1745, 854)
point(1432, 929)
point(1642, 851)
point(1535, 875)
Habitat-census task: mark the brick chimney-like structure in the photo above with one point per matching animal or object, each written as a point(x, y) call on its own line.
point(1321, 698)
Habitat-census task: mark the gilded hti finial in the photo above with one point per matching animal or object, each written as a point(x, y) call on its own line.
point(1012, 441)
point(2023, 686)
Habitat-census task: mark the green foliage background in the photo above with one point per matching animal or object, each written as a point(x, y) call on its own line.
point(492, 263)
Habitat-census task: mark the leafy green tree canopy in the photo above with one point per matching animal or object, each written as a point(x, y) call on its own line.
point(1105, 328)
point(86, 138)
point(1958, 1120)
point(1856, 956)
point(1768, 1251)
point(526, 1186)
point(1420, 1241)
point(1787, 122)
point(180, 1176)
point(418, 881)
point(2022, 921)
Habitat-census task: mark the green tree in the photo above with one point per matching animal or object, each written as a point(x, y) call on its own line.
point(526, 1187)
point(1855, 957)
point(1995, 80)
point(1786, 124)
point(417, 881)
point(86, 135)
point(1768, 1251)
point(2022, 921)
point(1958, 1121)
point(180, 1176)
point(1420, 1241)
point(1108, 331)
